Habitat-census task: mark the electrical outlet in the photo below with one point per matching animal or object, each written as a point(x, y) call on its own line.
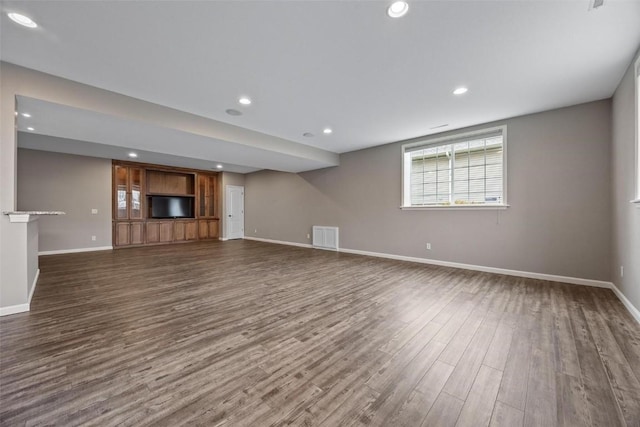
point(255, 231)
point(308, 236)
point(428, 246)
point(622, 271)
point(94, 211)
point(93, 238)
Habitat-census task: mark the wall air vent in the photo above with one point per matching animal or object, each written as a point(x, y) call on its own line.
point(325, 237)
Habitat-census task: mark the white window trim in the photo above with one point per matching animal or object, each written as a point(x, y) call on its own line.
point(456, 207)
point(443, 140)
point(636, 76)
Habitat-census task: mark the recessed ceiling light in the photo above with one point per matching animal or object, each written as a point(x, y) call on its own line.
point(245, 100)
point(133, 155)
point(460, 90)
point(26, 115)
point(233, 112)
point(327, 131)
point(219, 166)
point(30, 128)
point(308, 135)
point(22, 20)
point(398, 9)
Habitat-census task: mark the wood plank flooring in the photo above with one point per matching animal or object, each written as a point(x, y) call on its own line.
point(244, 333)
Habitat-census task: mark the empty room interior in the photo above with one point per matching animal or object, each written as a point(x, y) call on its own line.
point(320, 213)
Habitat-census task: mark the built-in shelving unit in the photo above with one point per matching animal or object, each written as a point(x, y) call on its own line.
point(135, 188)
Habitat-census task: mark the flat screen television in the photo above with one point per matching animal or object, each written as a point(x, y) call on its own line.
point(171, 207)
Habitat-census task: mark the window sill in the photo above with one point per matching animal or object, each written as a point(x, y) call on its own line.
point(454, 207)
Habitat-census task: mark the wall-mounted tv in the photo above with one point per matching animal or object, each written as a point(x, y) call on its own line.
point(171, 207)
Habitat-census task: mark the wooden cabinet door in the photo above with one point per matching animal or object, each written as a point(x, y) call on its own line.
point(122, 233)
point(166, 231)
point(185, 230)
point(203, 229)
point(160, 231)
point(213, 229)
point(191, 230)
point(137, 233)
point(179, 231)
point(208, 229)
point(153, 232)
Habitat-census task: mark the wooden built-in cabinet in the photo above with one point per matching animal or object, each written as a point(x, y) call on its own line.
point(136, 185)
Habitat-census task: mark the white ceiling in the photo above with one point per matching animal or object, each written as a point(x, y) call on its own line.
point(102, 135)
point(343, 64)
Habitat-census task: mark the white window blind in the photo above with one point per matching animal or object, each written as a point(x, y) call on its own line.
point(461, 170)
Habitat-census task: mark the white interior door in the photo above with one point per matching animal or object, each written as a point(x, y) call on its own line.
point(235, 211)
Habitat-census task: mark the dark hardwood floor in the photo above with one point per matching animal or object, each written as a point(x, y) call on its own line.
point(244, 333)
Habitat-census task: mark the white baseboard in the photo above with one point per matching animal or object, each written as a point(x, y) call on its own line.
point(625, 301)
point(223, 239)
point(528, 274)
point(21, 308)
point(72, 251)
point(279, 242)
point(14, 309)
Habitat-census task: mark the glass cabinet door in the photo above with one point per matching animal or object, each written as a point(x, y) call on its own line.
point(135, 177)
point(202, 192)
point(211, 202)
point(206, 196)
point(120, 195)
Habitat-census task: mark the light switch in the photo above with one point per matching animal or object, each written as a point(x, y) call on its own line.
point(94, 211)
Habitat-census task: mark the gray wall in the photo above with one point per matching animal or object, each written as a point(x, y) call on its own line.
point(228, 178)
point(559, 185)
point(626, 217)
point(73, 184)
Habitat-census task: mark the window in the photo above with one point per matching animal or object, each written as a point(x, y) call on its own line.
point(464, 170)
